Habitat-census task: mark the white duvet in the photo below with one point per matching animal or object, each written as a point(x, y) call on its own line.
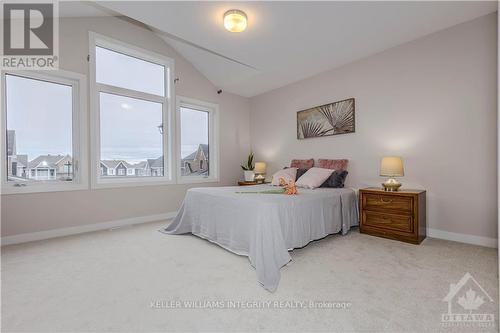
point(265, 227)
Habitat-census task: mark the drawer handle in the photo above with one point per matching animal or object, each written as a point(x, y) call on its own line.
point(386, 201)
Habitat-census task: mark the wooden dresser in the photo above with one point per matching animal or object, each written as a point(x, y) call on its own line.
point(397, 215)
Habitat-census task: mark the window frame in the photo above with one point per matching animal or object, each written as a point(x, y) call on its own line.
point(79, 153)
point(213, 139)
point(169, 175)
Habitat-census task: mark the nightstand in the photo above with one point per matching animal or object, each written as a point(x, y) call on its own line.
point(396, 215)
point(245, 183)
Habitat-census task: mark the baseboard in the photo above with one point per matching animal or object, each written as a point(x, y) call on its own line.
point(40, 235)
point(462, 238)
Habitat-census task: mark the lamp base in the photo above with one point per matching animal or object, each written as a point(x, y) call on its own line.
point(391, 185)
point(260, 178)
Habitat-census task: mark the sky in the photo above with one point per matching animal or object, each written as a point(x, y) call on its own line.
point(40, 113)
point(194, 130)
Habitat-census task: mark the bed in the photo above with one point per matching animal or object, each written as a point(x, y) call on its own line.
point(265, 227)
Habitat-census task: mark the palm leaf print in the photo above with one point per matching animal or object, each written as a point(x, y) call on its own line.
point(310, 129)
point(339, 115)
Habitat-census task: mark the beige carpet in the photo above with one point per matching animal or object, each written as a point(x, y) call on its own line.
point(106, 281)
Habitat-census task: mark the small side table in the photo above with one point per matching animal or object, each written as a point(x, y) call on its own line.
point(245, 183)
point(397, 215)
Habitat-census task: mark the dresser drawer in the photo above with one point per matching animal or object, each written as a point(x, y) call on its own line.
point(388, 221)
point(381, 202)
point(395, 215)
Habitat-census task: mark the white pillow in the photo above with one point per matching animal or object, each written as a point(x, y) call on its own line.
point(288, 174)
point(314, 177)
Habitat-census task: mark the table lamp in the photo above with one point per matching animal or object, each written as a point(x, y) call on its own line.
point(391, 166)
point(260, 172)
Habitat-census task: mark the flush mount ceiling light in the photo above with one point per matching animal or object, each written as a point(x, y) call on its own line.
point(235, 20)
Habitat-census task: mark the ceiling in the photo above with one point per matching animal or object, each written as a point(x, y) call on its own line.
point(289, 41)
point(81, 9)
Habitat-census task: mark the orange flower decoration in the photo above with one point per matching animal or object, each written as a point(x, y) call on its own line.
point(290, 187)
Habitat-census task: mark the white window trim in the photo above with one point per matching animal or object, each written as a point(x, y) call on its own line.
point(96, 39)
point(79, 133)
point(213, 139)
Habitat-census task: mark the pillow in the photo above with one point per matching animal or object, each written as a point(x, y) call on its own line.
point(302, 164)
point(336, 179)
point(288, 174)
point(333, 164)
point(314, 177)
point(300, 172)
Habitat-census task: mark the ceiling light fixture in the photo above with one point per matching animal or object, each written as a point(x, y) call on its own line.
point(235, 20)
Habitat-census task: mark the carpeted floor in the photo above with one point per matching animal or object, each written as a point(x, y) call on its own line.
point(110, 281)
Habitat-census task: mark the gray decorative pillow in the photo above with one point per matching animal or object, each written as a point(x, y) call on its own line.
point(336, 180)
point(300, 172)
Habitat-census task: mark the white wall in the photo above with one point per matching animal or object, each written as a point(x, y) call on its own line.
point(27, 213)
point(432, 101)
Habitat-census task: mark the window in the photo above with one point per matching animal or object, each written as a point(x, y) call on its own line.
point(197, 137)
point(131, 98)
point(147, 76)
point(44, 131)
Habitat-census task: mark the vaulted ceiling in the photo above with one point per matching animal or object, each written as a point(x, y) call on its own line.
point(289, 41)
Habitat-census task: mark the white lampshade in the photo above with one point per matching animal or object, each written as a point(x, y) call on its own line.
point(260, 167)
point(392, 166)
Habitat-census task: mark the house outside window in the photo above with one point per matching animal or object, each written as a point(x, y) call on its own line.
point(197, 128)
point(131, 114)
point(43, 131)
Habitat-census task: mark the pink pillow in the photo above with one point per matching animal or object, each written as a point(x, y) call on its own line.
point(288, 174)
point(333, 164)
point(302, 164)
point(314, 177)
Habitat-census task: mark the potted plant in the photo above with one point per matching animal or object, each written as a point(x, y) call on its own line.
point(248, 169)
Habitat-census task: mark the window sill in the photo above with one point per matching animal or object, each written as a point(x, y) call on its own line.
point(42, 188)
point(196, 180)
point(120, 183)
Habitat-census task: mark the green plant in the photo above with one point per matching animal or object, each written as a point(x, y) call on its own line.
point(249, 166)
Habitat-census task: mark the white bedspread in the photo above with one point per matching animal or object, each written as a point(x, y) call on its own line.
point(265, 227)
